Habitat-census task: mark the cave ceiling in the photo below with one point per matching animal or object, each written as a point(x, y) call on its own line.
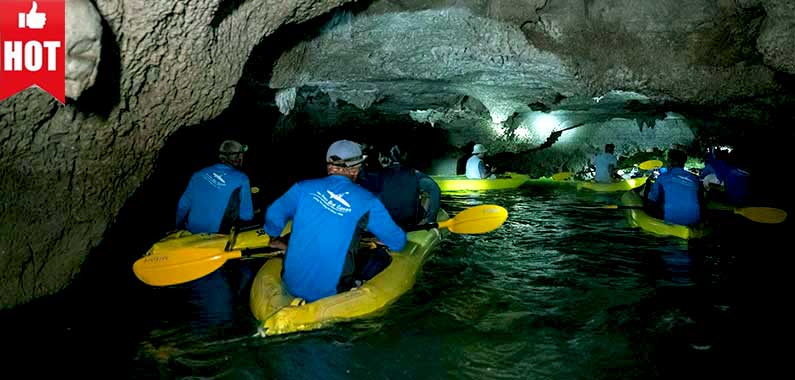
point(439, 61)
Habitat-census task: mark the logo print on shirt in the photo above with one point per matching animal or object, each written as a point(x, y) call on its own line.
point(338, 197)
point(215, 180)
point(333, 202)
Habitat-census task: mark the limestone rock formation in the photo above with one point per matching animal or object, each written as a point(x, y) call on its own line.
point(778, 32)
point(67, 169)
point(83, 46)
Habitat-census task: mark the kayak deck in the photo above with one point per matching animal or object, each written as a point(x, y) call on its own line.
point(639, 218)
point(280, 313)
point(462, 183)
point(625, 185)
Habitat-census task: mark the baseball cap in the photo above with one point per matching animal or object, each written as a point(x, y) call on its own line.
point(345, 153)
point(232, 146)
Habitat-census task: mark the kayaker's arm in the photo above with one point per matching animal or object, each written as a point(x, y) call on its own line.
point(281, 211)
point(431, 188)
point(279, 242)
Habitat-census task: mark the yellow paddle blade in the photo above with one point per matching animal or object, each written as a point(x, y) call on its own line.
point(763, 214)
point(650, 164)
point(251, 239)
point(562, 176)
point(476, 220)
point(180, 265)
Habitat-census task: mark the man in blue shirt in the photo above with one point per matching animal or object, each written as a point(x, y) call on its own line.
point(605, 164)
point(217, 195)
point(215, 199)
point(678, 192)
point(328, 217)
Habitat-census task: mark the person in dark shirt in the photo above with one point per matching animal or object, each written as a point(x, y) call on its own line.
point(410, 196)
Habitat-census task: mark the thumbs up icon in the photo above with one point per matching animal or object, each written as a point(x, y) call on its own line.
point(33, 19)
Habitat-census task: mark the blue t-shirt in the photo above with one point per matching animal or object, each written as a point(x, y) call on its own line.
point(679, 192)
point(735, 180)
point(326, 213)
point(205, 201)
point(737, 186)
point(604, 163)
point(715, 166)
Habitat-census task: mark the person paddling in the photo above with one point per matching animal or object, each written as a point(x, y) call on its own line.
point(328, 217)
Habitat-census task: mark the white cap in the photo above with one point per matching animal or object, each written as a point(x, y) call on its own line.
point(345, 153)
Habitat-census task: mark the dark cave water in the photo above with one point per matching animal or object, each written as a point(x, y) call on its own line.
point(555, 293)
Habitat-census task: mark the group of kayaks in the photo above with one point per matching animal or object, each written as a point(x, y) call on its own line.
point(632, 201)
point(514, 180)
point(183, 257)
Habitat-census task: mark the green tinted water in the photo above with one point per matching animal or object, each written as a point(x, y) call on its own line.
point(556, 293)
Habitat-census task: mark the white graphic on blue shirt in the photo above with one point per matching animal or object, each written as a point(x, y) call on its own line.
point(338, 197)
point(686, 179)
point(216, 180)
point(334, 202)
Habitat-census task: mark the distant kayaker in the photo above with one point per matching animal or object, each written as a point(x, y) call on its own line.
point(410, 196)
point(605, 165)
point(328, 216)
point(476, 168)
point(677, 192)
point(216, 198)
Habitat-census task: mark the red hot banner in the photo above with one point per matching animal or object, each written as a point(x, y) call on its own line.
point(32, 46)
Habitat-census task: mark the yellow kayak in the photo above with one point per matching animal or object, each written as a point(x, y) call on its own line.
point(281, 313)
point(625, 185)
point(639, 218)
point(462, 183)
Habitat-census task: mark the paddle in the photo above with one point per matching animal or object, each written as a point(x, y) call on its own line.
point(180, 265)
point(768, 215)
point(472, 221)
point(183, 265)
point(650, 165)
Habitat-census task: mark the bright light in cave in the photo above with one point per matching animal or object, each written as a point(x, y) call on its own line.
point(497, 118)
point(522, 133)
point(544, 124)
point(499, 130)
